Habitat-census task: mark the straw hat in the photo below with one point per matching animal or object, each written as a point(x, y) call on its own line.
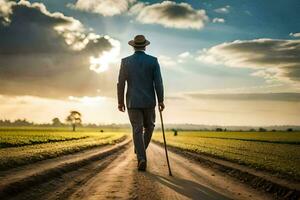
point(139, 41)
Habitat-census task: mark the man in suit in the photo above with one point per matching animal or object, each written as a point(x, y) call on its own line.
point(142, 74)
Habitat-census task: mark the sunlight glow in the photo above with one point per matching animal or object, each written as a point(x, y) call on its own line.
point(102, 62)
point(88, 100)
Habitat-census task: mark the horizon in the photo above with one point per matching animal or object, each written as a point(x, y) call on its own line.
point(64, 123)
point(223, 62)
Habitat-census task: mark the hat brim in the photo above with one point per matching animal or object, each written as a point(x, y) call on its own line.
point(132, 43)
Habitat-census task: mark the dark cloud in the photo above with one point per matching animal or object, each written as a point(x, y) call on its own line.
point(276, 59)
point(171, 14)
point(48, 54)
point(290, 97)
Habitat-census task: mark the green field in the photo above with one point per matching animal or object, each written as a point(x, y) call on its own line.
point(27, 145)
point(277, 152)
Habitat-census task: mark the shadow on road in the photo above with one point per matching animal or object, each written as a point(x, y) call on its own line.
point(187, 188)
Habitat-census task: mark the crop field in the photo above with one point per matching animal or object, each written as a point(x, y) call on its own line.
point(277, 152)
point(23, 146)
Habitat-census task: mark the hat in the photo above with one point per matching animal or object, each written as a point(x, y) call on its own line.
point(139, 41)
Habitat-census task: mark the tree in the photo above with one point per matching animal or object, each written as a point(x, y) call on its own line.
point(219, 129)
point(74, 118)
point(262, 129)
point(289, 129)
point(56, 122)
point(22, 122)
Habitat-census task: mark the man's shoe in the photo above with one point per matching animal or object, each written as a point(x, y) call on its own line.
point(142, 165)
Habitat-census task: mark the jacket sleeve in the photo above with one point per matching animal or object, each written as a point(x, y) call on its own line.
point(121, 83)
point(158, 83)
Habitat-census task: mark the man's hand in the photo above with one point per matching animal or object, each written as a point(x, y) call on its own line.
point(121, 107)
point(161, 106)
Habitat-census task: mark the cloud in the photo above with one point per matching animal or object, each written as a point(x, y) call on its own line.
point(185, 55)
point(172, 15)
point(174, 62)
point(49, 54)
point(275, 59)
point(289, 97)
point(136, 8)
point(218, 20)
point(272, 88)
point(295, 34)
point(223, 10)
point(102, 7)
point(5, 10)
point(175, 98)
point(248, 12)
point(34, 108)
point(166, 61)
point(167, 13)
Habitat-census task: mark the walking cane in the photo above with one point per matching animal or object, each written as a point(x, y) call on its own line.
point(163, 131)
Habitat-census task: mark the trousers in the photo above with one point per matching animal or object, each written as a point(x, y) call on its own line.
point(143, 122)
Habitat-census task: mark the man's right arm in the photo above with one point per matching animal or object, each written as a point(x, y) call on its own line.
point(121, 87)
point(159, 88)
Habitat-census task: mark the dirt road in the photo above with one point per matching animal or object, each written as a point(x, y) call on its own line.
point(116, 177)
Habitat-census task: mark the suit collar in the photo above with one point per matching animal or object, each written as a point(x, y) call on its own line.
point(139, 52)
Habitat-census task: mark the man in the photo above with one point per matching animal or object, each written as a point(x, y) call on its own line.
point(143, 77)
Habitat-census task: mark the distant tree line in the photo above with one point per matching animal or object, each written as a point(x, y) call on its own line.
point(57, 123)
point(74, 119)
point(219, 129)
point(18, 122)
point(25, 122)
point(260, 129)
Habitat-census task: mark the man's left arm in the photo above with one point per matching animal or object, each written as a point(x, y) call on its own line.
point(121, 87)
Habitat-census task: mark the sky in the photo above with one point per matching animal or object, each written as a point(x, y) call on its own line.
point(222, 62)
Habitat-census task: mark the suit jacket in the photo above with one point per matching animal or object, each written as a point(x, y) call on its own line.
point(143, 77)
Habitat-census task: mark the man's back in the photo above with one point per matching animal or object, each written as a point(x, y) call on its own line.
point(142, 73)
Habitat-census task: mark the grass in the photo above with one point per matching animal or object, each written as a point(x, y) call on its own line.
point(24, 146)
point(277, 152)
